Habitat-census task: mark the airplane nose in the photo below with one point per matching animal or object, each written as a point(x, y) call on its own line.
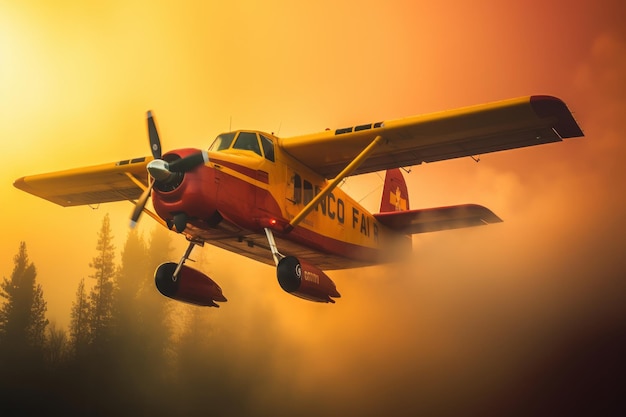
point(159, 170)
point(169, 171)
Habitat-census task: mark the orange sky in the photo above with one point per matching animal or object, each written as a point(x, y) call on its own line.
point(76, 80)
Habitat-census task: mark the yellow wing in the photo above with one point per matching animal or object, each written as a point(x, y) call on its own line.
point(123, 180)
point(468, 131)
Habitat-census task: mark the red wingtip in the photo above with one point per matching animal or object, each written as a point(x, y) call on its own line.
point(549, 106)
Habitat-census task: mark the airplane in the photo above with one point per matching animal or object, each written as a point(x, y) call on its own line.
point(277, 200)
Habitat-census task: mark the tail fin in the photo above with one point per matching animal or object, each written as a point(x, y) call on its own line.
point(395, 194)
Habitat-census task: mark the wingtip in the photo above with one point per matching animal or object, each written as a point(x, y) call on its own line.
point(20, 183)
point(549, 106)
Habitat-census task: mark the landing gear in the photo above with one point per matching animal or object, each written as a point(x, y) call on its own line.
point(300, 278)
point(182, 260)
point(178, 223)
point(275, 254)
point(182, 283)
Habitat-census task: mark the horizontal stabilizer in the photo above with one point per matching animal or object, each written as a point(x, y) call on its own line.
point(438, 218)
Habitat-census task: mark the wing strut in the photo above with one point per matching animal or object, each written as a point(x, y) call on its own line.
point(333, 184)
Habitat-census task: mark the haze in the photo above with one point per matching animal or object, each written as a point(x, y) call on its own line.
point(477, 320)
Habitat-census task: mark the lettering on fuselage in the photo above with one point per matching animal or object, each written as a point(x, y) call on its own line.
point(311, 277)
point(335, 209)
point(362, 222)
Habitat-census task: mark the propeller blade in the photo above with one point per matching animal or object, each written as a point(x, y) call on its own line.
point(140, 205)
point(188, 163)
point(153, 135)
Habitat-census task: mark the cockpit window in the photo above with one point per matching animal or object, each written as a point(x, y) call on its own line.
point(268, 148)
point(248, 142)
point(222, 142)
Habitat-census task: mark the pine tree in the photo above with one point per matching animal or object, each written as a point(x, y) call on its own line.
point(101, 295)
point(154, 329)
point(39, 322)
point(56, 345)
point(128, 346)
point(79, 326)
point(22, 316)
point(128, 279)
point(155, 307)
point(22, 339)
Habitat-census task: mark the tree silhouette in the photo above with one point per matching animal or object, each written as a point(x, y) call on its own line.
point(142, 330)
point(56, 348)
point(101, 295)
point(127, 347)
point(128, 280)
point(128, 359)
point(22, 316)
point(79, 324)
point(22, 338)
point(156, 308)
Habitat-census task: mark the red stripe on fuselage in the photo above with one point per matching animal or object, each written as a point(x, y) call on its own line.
point(254, 174)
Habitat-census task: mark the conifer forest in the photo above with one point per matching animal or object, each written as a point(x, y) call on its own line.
point(128, 350)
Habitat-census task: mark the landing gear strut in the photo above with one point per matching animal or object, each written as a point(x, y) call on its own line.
point(275, 254)
point(182, 260)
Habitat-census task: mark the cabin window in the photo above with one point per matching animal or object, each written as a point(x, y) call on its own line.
point(297, 189)
point(268, 148)
point(248, 141)
point(222, 142)
point(308, 192)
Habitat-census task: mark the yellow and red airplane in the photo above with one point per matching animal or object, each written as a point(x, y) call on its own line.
point(277, 200)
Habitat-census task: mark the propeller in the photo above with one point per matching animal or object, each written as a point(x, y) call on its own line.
point(162, 171)
point(140, 205)
point(153, 136)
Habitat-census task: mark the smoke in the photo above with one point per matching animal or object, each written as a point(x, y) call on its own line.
point(522, 317)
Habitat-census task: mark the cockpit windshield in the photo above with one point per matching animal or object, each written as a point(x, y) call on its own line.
point(222, 142)
point(248, 141)
point(244, 141)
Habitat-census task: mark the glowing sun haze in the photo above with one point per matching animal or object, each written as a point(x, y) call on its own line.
point(473, 310)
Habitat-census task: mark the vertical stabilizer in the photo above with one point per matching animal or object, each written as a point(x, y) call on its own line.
point(395, 194)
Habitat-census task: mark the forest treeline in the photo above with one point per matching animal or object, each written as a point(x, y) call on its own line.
point(125, 351)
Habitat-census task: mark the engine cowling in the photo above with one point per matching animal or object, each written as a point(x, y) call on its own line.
point(190, 286)
point(300, 278)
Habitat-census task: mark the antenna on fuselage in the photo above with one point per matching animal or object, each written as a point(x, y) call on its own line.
point(278, 131)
